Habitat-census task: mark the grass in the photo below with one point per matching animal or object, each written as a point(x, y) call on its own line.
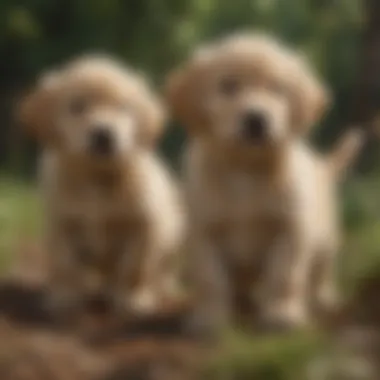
point(243, 356)
point(274, 357)
point(20, 216)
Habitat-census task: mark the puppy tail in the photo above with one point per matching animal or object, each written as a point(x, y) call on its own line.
point(345, 152)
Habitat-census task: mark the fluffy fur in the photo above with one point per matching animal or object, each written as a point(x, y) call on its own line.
point(263, 204)
point(114, 220)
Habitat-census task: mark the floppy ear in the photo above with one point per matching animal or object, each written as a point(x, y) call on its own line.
point(153, 121)
point(37, 110)
point(184, 96)
point(312, 99)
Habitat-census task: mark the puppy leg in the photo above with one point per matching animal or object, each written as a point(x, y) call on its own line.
point(126, 276)
point(153, 279)
point(211, 285)
point(65, 279)
point(324, 288)
point(167, 278)
point(137, 281)
point(151, 287)
point(285, 283)
point(243, 304)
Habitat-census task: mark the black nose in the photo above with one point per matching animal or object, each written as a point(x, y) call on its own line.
point(101, 140)
point(254, 126)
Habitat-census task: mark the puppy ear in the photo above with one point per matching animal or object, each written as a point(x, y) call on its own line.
point(153, 121)
point(184, 96)
point(312, 101)
point(36, 110)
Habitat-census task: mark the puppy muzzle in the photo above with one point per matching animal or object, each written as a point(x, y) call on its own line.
point(254, 127)
point(101, 141)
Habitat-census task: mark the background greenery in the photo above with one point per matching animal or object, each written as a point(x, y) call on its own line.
point(154, 35)
point(341, 37)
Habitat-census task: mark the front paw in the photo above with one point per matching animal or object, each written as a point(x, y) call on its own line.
point(328, 300)
point(283, 317)
point(133, 304)
point(144, 301)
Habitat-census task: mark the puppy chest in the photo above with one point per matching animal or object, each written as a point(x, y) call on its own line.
point(250, 240)
point(248, 200)
point(254, 215)
point(99, 240)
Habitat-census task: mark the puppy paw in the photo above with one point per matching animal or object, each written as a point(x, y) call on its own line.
point(144, 301)
point(327, 306)
point(328, 300)
point(283, 318)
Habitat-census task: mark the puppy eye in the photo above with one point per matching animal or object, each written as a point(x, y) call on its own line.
point(229, 86)
point(78, 106)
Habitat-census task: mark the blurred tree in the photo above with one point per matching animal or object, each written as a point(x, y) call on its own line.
point(39, 34)
point(153, 35)
point(366, 99)
point(366, 90)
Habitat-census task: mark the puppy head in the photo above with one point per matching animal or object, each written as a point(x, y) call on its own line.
point(93, 107)
point(247, 91)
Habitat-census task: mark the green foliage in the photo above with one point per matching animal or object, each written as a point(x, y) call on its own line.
point(153, 35)
point(285, 357)
point(20, 216)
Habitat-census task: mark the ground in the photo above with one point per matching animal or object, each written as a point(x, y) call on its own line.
point(283, 358)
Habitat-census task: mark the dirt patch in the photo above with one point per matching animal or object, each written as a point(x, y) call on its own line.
point(33, 346)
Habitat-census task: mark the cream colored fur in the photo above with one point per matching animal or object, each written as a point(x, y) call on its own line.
point(264, 214)
point(114, 224)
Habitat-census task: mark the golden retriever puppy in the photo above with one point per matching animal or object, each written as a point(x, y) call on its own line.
point(263, 209)
point(114, 214)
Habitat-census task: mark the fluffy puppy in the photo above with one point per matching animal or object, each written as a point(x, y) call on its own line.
point(262, 202)
point(113, 212)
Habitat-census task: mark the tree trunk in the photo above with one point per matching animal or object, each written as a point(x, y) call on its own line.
point(366, 98)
